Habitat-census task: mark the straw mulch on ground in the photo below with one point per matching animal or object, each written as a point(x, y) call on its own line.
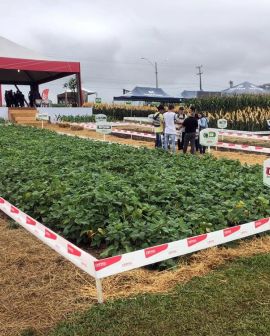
point(38, 288)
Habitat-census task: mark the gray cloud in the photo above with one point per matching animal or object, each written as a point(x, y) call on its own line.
point(230, 38)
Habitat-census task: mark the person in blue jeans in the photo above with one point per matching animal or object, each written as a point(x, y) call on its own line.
point(169, 128)
point(203, 124)
point(158, 125)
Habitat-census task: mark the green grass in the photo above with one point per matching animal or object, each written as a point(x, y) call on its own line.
point(234, 300)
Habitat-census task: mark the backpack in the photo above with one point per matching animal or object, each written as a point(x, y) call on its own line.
point(156, 120)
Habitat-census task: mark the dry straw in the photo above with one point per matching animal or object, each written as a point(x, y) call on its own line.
point(38, 288)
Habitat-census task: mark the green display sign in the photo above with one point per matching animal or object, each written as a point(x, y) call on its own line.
point(208, 137)
point(98, 100)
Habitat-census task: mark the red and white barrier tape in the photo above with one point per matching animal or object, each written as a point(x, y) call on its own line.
point(224, 130)
point(151, 255)
point(248, 148)
point(69, 251)
point(109, 266)
point(245, 135)
point(139, 134)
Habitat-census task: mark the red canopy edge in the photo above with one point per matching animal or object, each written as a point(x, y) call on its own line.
point(39, 65)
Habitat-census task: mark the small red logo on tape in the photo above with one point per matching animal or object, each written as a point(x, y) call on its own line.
point(14, 210)
point(74, 251)
point(267, 171)
point(100, 264)
point(230, 231)
point(151, 251)
point(231, 145)
point(261, 222)
point(258, 147)
point(195, 240)
point(50, 235)
point(2, 201)
point(30, 221)
point(244, 146)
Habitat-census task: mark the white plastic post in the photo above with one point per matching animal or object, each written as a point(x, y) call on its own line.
point(209, 150)
point(99, 291)
point(104, 137)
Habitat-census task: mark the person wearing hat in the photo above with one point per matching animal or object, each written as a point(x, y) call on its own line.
point(158, 125)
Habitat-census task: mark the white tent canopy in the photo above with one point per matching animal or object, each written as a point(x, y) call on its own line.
point(244, 88)
point(13, 50)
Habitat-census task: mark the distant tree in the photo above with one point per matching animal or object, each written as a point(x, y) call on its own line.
point(72, 85)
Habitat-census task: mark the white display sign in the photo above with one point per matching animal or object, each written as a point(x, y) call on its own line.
point(104, 128)
point(266, 172)
point(222, 123)
point(100, 118)
point(42, 116)
point(208, 137)
point(268, 123)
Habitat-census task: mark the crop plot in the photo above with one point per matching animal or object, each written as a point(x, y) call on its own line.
point(117, 198)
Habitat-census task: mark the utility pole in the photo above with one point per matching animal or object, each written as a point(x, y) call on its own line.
point(155, 66)
point(199, 67)
point(156, 72)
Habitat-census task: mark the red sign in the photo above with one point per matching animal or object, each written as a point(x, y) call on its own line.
point(14, 210)
point(45, 94)
point(50, 235)
point(74, 251)
point(30, 221)
point(261, 222)
point(230, 231)
point(195, 240)
point(151, 251)
point(100, 264)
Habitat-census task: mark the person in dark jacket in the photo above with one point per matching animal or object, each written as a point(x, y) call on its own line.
point(190, 124)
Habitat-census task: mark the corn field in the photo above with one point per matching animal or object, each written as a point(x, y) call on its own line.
point(248, 119)
point(230, 104)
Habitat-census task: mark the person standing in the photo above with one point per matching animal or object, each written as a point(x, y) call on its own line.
point(169, 128)
point(203, 124)
point(158, 125)
point(197, 143)
point(190, 124)
point(180, 130)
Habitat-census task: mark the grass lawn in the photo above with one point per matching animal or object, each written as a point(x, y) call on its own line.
point(234, 300)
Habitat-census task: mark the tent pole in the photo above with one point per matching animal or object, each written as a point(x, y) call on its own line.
point(79, 89)
point(1, 100)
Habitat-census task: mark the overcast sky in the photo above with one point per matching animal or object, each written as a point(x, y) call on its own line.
point(230, 38)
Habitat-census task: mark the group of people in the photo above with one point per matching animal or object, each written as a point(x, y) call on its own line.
point(172, 127)
point(14, 99)
point(17, 99)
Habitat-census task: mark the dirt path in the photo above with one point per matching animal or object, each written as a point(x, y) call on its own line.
point(242, 157)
